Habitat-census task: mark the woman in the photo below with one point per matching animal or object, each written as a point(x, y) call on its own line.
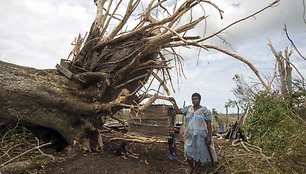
point(197, 135)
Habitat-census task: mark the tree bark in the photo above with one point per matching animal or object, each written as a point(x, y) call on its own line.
point(46, 98)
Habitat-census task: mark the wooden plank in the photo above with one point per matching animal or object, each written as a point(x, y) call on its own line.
point(166, 124)
point(149, 130)
point(151, 118)
point(74, 68)
point(65, 63)
point(154, 111)
point(64, 71)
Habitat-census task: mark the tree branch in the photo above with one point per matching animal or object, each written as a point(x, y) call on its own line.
point(250, 65)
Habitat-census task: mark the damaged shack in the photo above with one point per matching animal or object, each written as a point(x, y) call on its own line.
point(154, 121)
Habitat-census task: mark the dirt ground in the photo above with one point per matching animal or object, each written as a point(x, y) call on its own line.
point(142, 158)
point(149, 155)
point(146, 155)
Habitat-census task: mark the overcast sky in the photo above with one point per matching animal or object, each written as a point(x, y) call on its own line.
point(38, 34)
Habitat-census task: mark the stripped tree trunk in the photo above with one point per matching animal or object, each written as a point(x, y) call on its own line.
point(284, 71)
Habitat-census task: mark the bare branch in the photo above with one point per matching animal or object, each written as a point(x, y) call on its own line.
point(236, 56)
point(130, 8)
point(296, 49)
point(304, 11)
point(152, 98)
point(162, 83)
point(238, 21)
point(280, 57)
point(18, 156)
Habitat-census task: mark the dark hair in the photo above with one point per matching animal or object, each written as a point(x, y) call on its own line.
point(196, 95)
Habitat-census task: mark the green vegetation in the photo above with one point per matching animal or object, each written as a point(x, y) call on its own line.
point(276, 127)
point(275, 122)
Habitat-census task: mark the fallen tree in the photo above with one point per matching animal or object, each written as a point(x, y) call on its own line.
point(106, 69)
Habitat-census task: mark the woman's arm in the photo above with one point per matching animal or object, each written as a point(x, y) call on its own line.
point(176, 109)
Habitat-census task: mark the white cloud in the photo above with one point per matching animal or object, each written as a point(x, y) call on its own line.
point(38, 33)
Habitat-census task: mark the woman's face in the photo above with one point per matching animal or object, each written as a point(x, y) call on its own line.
point(195, 101)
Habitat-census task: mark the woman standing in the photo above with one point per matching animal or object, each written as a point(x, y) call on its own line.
point(197, 135)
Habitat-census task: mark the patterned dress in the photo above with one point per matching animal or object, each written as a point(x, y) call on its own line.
point(196, 133)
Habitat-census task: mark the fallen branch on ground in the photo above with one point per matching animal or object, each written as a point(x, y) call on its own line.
point(18, 156)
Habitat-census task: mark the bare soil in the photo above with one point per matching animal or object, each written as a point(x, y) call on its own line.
point(147, 158)
point(145, 155)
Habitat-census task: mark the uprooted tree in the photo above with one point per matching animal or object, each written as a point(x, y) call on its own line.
point(107, 68)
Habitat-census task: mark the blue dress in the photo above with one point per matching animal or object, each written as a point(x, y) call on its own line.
point(196, 133)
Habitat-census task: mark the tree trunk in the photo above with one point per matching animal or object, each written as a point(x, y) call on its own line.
point(47, 99)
